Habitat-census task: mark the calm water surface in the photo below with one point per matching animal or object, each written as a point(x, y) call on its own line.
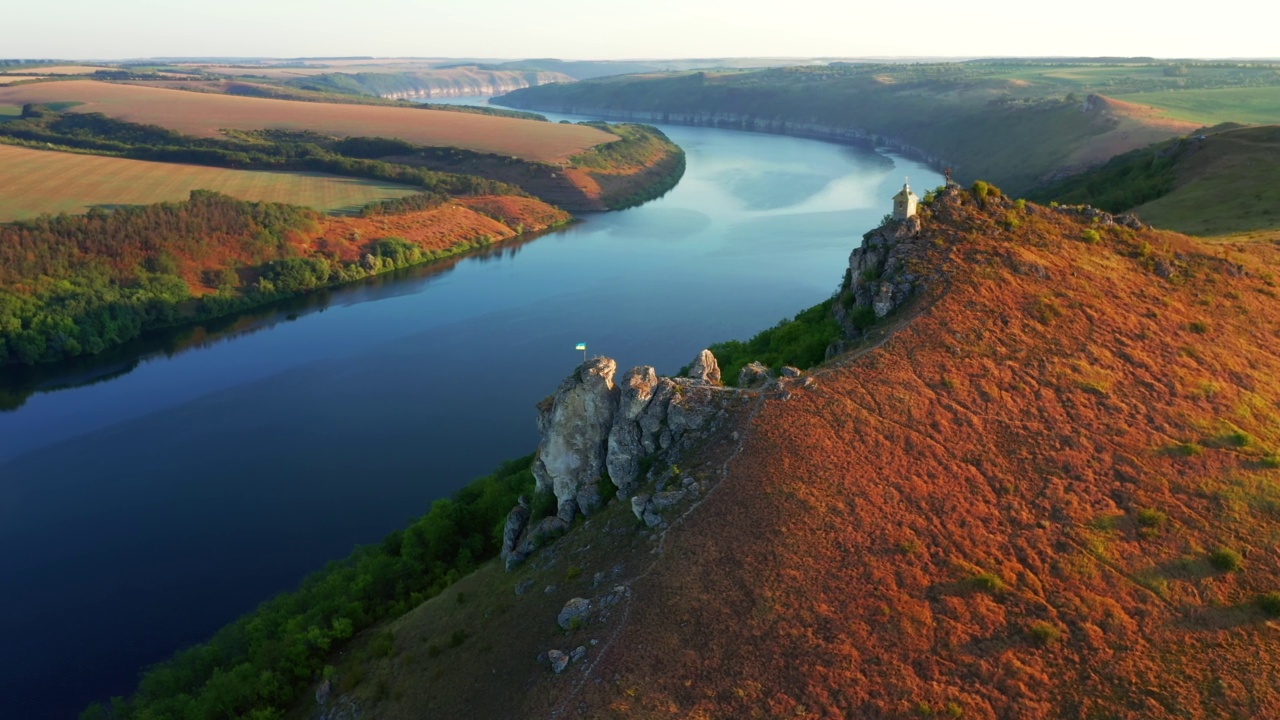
point(204, 472)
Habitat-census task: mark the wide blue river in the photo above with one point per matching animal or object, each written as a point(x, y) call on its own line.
point(150, 497)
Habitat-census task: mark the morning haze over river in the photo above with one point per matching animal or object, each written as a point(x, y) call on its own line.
point(144, 511)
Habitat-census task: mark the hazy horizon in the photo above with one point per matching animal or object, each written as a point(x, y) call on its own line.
point(659, 29)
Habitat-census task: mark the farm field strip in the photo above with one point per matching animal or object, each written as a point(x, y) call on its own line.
point(1254, 105)
point(62, 70)
point(206, 115)
point(33, 182)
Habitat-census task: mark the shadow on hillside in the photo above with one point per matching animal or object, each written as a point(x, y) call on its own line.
point(1217, 619)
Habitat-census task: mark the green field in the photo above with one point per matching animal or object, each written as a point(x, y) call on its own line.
point(1254, 105)
point(1229, 186)
point(8, 112)
point(33, 182)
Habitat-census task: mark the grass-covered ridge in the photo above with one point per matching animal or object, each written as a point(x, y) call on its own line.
point(1219, 183)
point(258, 665)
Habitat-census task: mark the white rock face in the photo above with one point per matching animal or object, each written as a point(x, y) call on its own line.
point(575, 425)
point(705, 368)
point(591, 426)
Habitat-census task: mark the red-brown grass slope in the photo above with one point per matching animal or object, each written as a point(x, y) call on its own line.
point(1006, 510)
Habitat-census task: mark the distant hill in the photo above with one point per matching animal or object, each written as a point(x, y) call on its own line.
point(442, 82)
point(1018, 123)
point(1222, 182)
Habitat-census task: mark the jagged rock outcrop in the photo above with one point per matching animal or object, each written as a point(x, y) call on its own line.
point(705, 368)
point(879, 279)
point(575, 424)
point(534, 537)
point(626, 439)
point(517, 519)
point(593, 429)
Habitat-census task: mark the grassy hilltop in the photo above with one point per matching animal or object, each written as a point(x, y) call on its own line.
point(1062, 456)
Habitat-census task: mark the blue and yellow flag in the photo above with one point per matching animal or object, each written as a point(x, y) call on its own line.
point(581, 346)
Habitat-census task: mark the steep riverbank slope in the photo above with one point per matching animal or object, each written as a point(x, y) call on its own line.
point(1042, 485)
point(435, 83)
point(1011, 123)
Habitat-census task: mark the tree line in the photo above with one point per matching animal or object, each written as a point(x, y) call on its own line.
point(259, 665)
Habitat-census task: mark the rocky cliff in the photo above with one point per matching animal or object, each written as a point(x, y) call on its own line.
point(426, 84)
point(602, 439)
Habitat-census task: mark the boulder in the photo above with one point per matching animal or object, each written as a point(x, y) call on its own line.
point(574, 614)
point(665, 500)
point(559, 661)
point(578, 653)
point(638, 504)
point(753, 375)
point(575, 423)
point(790, 372)
point(705, 369)
point(535, 536)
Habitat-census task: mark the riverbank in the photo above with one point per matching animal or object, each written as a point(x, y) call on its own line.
point(78, 285)
point(642, 164)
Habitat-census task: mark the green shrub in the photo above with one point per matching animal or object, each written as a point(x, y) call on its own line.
point(982, 189)
point(544, 504)
point(1224, 559)
point(1200, 327)
point(988, 582)
point(1151, 518)
point(1091, 236)
point(382, 644)
point(1044, 633)
point(801, 342)
point(1269, 603)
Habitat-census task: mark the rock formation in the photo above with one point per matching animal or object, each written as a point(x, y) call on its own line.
point(878, 277)
point(594, 431)
point(575, 425)
point(705, 368)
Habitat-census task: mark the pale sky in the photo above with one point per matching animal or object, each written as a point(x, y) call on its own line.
point(604, 29)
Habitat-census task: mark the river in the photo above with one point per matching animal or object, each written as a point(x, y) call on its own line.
point(150, 497)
